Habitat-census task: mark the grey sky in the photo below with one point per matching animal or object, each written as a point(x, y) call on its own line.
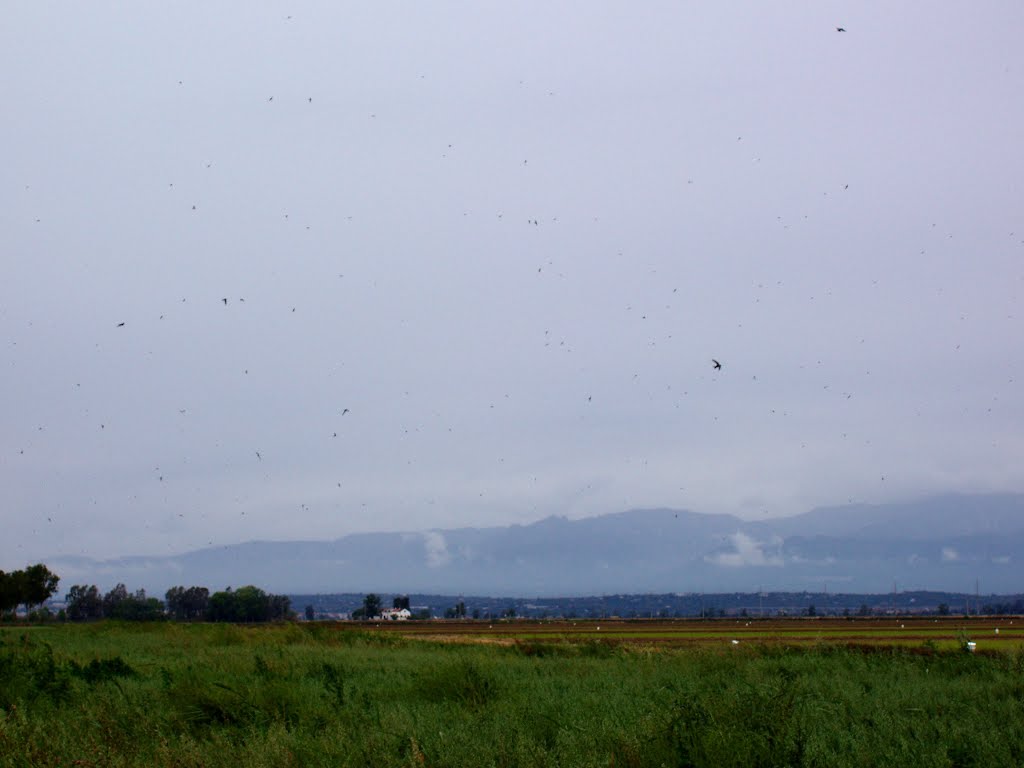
point(509, 239)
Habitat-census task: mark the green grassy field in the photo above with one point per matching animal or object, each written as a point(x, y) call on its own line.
point(113, 694)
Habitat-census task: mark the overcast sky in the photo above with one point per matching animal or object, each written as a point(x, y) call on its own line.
point(478, 258)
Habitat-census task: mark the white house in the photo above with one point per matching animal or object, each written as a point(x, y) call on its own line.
point(396, 614)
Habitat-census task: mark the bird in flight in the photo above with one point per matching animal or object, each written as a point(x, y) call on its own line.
point(344, 412)
point(718, 365)
point(840, 29)
point(120, 325)
point(258, 457)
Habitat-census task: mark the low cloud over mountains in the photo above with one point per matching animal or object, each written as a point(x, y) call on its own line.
point(945, 543)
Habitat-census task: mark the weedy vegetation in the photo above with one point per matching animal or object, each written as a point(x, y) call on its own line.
point(112, 694)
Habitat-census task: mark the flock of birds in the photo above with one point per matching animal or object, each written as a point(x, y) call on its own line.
point(716, 364)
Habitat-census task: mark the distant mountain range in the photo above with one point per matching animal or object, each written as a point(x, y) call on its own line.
point(942, 543)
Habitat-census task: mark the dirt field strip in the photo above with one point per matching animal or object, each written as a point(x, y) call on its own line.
point(1002, 633)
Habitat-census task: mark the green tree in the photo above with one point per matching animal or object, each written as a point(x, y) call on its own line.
point(310, 613)
point(9, 593)
point(38, 584)
point(84, 603)
point(371, 606)
point(401, 601)
point(138, 607)
point(252, 604)
point(247, 604)
point(187, 604)
point(221, 606)
point(943, 609)
point(280, 608)
point(112, 601)
point(118, 603)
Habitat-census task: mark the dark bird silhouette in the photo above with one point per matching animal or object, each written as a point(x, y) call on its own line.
point(718, 365)
point(120, 325)
point(840, 29)
point(344, 412)
point(260, 458)
point(225, 302)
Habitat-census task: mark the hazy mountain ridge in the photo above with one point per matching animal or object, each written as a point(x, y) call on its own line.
point(945, 542)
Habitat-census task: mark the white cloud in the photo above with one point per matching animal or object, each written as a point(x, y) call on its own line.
point(437, 549)
point(950, 555)
point(747, 551)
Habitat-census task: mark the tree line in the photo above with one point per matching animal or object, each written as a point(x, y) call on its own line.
point(34, 585)
point(245, 604)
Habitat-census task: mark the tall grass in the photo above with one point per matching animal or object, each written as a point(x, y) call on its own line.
point(201, 695)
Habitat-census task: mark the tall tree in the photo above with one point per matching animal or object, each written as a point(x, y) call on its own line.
point(371, 606)
point(10, 595)
point(84, 603)
point(221, 606)
point(38, 584)
point(280, 607)
point(112, 601)
point(187, 604)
